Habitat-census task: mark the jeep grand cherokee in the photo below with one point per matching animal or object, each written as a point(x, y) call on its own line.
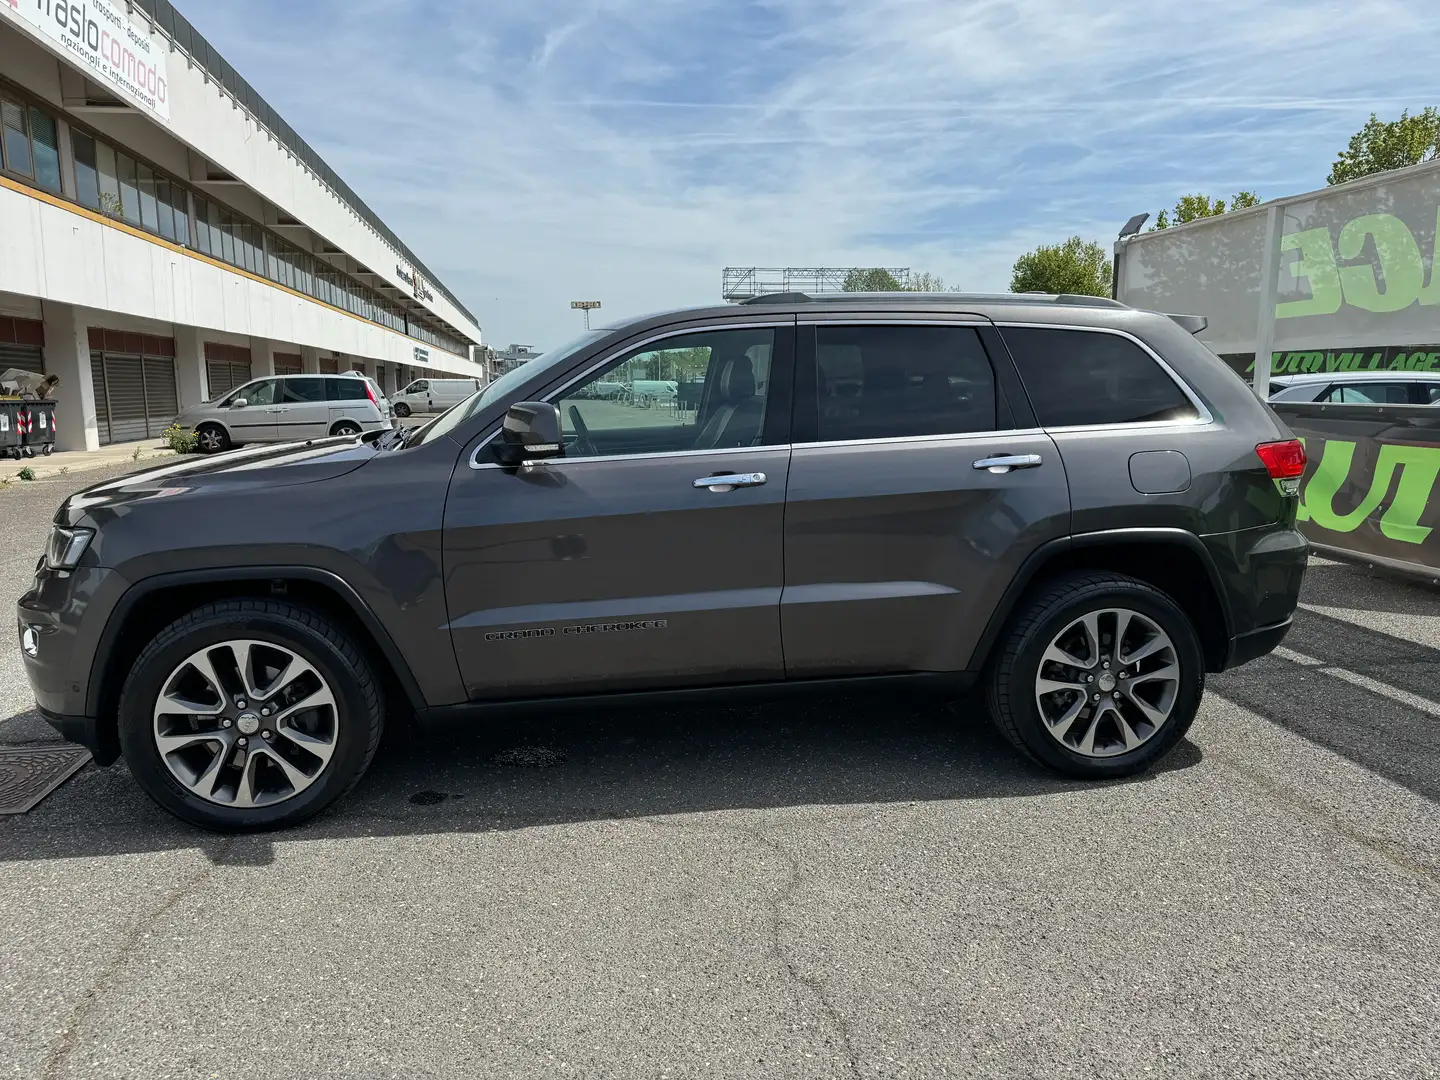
point(1071, 502)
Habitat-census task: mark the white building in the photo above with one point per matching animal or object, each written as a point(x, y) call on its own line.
point(164, 235)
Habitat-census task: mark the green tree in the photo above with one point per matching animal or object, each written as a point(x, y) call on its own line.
point(1194, 207)
point(872, 279)
point(1076, 266)
point(920, 281)
point(1382, 145)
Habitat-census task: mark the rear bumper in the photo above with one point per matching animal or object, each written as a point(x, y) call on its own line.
point(1260, 573)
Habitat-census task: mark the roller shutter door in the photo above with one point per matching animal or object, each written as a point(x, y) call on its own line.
point(330, 367)
point(25, 357)
point(125, 394)
point(162, 402)
point(102, 406)
point(135, 398)
point(287, 364)
point(225, 375)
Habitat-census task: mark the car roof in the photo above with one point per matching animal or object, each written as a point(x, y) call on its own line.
point(1355, 376)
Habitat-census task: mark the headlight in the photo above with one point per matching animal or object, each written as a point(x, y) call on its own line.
point(66, 546)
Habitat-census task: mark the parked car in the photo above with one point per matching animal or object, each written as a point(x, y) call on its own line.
point(1071, 504)
point(1359, 388)
point(434, 395)
point(288, 408)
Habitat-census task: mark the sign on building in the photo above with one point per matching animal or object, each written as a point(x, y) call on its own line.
point(113, 52)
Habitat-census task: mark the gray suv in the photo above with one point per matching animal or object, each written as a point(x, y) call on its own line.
point(1071, 504)
point(289, 408)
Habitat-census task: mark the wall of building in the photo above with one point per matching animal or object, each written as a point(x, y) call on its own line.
point(208, 121)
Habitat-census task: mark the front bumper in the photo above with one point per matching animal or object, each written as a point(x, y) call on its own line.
point(62, 618)
point(102, 740)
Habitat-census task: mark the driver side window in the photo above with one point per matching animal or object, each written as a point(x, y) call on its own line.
point(257, 393)
point(700, 391)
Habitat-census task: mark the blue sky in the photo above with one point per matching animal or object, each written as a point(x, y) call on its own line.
point(533, 153)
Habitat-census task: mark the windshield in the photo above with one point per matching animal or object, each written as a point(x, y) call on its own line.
point(512, 379)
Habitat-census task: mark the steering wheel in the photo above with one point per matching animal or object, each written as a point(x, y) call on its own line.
point(583, 442)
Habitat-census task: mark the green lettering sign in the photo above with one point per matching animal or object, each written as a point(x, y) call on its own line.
point(1399, 259)
point(1317, 263)
point(1419, 466)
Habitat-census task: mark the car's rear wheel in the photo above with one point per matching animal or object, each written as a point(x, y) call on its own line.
point(1099, 676)
point(211, 438)
point(249, 714)
point(401, 409)
point(345, 427)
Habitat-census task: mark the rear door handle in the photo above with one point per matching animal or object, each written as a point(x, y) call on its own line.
point(1003, 463)
point(730, 481)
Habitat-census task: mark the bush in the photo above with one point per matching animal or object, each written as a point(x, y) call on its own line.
point(181, 440)
point(27, 473)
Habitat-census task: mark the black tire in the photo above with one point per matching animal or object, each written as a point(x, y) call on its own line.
point(1010, 686)
point(360, 713)
point(345, 427)
point(47, 449)
point(28, 451)
point(218, 436)
point(402, 410)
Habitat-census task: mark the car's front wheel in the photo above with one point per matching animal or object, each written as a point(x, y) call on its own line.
point(249, 714)
point(1099, 676)
point(401, 409)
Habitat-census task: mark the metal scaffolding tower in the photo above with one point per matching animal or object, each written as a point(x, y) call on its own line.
point(743, 282)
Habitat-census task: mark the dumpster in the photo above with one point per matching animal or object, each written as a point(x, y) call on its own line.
point(11, 436)
point(38, 427)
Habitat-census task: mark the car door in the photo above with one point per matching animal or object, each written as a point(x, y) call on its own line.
point(919, 485)
point(649, 555)
point(304, 412)
point(255, 421)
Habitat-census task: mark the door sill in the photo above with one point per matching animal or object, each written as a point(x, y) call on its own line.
point(933, 682)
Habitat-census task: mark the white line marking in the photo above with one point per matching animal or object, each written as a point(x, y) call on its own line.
point(1394, 693)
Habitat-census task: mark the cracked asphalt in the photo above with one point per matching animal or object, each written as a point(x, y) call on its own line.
point(857, 887)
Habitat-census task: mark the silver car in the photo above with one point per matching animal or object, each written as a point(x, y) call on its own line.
point(1359, 388)
point(289, 408)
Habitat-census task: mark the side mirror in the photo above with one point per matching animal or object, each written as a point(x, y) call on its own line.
point(531, 431)
point(239, 403)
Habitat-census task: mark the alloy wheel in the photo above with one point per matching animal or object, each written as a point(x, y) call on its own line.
point(246, 723)
point(1107, 682)
point(210, 439)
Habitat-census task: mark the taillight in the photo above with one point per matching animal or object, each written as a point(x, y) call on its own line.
point(370, 393)
point(1283, 460)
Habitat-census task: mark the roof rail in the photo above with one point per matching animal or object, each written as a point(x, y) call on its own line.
point(1074, 299)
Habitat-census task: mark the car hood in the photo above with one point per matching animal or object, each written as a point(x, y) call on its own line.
point(250, 468)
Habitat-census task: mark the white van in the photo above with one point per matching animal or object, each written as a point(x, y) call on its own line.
point(434, 395)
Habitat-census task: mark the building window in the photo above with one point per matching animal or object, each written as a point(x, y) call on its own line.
point(45, 147)
point(87, 180)
point(16, 139)
point(129, 188)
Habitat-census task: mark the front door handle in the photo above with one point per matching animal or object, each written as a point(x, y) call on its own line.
point(1003, 463)
point(730, 481)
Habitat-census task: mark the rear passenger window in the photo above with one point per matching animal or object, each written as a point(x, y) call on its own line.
point(882, 382)
point(345, 389)
point(1084, 377)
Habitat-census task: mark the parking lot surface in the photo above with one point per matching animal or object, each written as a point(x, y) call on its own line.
point(850, 887)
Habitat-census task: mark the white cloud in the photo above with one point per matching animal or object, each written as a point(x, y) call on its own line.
point(627, 151)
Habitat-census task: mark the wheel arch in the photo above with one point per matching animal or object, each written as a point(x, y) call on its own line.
point(1175, 561)
point(153, 603)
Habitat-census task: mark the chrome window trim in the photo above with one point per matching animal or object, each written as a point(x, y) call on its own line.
point(898, 440)
point(717, 452)
point(914, 320)
point(1206, 417)
point(773, 322)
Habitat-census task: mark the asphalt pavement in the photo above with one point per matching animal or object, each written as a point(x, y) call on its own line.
point(857, 887)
